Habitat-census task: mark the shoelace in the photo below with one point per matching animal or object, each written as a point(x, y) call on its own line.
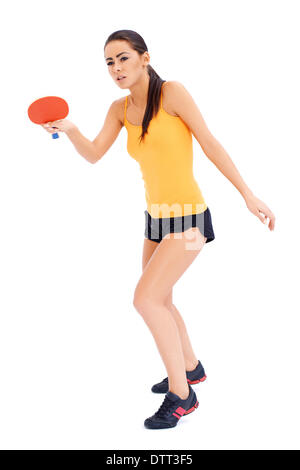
point(164, 407)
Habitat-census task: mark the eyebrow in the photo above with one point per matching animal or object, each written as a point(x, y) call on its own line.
point(110, 58)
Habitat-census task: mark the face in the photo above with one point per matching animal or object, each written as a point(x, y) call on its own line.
point(122, 60)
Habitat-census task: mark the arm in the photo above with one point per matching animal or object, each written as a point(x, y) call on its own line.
point(84, 146)
point(91, 151)
point(104, 140)
point(110, 130)
point(187, 110)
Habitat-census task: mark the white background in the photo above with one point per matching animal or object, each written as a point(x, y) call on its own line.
point(77, 360)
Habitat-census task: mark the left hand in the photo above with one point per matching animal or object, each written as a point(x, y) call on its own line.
point(256, 206)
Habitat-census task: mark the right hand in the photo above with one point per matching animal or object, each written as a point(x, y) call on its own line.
point(61, 125)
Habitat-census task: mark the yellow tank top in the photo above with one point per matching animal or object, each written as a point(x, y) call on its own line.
point(166, 163)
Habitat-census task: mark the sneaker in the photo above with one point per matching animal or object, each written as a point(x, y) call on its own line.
point(171, 410)
point(193, 377)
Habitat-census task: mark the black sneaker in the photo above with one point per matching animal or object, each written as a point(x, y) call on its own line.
point(193, 377)
point(171, 410)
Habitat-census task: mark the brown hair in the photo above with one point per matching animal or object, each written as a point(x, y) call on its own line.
point(138, 44)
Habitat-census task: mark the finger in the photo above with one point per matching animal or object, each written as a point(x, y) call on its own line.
point(272, 223)
point(261, 217)
point(267, 211)
point(271, 217)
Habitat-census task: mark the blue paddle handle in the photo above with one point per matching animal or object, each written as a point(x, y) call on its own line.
point(55, 136)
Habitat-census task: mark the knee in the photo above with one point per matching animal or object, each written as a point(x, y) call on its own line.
point(141, 300)
point(144, 301)
point(137, 301)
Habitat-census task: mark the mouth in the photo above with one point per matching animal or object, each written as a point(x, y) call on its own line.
point(122, 77)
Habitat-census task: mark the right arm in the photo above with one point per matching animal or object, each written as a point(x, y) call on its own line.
point(94, 150)
point(110, 130)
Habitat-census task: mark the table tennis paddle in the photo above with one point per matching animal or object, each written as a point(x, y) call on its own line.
point(49, 108)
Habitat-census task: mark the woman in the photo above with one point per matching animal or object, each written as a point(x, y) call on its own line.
point(160, 118)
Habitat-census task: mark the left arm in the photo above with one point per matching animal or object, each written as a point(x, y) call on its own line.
point(186, 108)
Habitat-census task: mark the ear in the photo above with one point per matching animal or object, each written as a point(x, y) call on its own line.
point(146, 58)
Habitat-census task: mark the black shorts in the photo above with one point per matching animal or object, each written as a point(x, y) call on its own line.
point(157, 228)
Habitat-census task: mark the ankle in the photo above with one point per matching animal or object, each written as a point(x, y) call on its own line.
point(182, 393)
point(191, 365)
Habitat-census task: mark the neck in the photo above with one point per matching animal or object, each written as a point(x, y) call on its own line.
point(139, 92)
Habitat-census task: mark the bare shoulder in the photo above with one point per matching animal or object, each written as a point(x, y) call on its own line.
point(187, 109)
point(171, 88)
point(119, 106)
point(170, 92)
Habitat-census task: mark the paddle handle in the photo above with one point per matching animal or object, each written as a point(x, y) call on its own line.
point(55, 136)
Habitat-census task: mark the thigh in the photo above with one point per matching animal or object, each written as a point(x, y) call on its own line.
point(148, 250)
point(167, 264)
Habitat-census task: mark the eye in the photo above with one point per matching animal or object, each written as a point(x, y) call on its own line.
point(125, 58)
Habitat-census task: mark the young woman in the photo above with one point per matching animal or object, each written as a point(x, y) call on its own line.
point(160, 117)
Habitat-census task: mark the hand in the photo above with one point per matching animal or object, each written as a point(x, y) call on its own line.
point(61, 125)
point(256, 206)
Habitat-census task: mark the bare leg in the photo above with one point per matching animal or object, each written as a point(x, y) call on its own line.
point(166, 266)
point(190, 358)
point(163, 327)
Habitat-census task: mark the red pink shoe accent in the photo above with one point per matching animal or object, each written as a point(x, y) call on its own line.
point(196, 381)
point(193, 408)
point(181, 411)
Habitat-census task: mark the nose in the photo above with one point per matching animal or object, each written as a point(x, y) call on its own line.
point(117, 69)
